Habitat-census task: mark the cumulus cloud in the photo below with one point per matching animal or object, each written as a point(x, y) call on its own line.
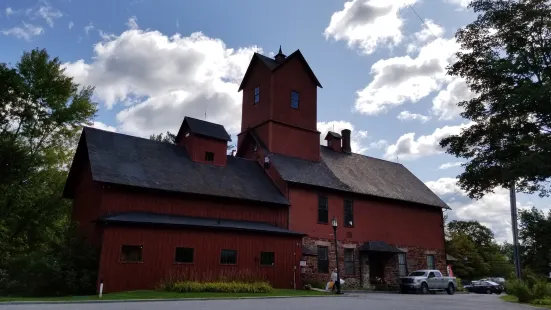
point(160, 79)
point(430, 31)
point(493, 210)
point(461, 4)
point(450, 165)
point(366, 24)
point(358, 140)
point(27, 31)
point(444, 105)
point(400, 79)
point(408, 147)
point(408, 116)
point(103, 126)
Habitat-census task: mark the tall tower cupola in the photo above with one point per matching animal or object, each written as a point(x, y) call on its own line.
point(280, 57)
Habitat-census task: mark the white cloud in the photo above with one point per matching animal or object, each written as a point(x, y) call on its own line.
point(492, 210)
point(400, 79)
point(430, 31)
point(177, 24)
point(102, 126)
point(461, 4)
point(358, 138)
point(71, 24)
point(408, 116)
point(89, 27)
point(380, 144)
point(132, 23)
point(9, 11)
point(450, 165)
point(366, 24)
point(407, 147)
point(444, 105)
point(48, 13)
point(161, 79)
point(26, 32)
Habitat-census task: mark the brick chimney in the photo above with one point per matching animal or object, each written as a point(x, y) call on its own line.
point(346, 141)
point(334, 141)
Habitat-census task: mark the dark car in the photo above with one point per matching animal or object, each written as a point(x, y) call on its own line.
point(484, 287)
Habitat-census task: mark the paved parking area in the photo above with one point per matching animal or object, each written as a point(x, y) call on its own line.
point(370, 301)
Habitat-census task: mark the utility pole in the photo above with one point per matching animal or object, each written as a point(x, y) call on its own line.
point(514, 222)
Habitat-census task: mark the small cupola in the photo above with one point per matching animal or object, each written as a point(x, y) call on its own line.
point(334, 141)
point(280, 57)
point(204, 141)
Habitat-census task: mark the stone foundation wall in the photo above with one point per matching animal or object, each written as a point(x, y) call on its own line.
point(416, 258)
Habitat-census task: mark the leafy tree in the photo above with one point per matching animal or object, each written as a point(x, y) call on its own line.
point(481, 235)
point(505, 58)
point(470, 264)
point(42, 112)
point(477, 250)
point(167, 138)
point(535, 236)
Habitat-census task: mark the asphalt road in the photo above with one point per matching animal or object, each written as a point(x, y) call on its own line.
point(370, 301)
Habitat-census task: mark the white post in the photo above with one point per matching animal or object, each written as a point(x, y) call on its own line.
point(100, 288)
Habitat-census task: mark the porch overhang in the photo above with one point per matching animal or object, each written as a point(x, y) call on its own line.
point(309, 251)
point(379, 247)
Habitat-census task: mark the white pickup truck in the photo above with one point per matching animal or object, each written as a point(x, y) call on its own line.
point(425, 281)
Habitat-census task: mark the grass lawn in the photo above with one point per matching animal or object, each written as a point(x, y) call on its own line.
point(164, 295)
point(511, 298)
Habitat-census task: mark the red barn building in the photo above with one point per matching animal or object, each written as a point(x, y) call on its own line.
point(158, 210)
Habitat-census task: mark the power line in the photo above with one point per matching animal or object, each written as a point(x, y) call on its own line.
point(422, 20)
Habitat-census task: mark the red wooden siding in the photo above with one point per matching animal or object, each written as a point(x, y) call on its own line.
point(116, 199)
point(159, 250)
point(253, 114)
point(86, 204)
point(197, 146)
point(393, 222)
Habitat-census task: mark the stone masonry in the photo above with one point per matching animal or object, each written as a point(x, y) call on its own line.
point(416, 258)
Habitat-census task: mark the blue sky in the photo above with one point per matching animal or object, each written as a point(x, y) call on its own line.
point(382, 68)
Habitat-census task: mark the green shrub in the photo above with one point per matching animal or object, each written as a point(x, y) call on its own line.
point(217, 287)
point(459, 287)
point(315, 283)
point(541, 290)
point(519, 289)
point(542, 302)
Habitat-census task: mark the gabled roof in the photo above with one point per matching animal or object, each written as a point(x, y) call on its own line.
point(204, 128)
point(359, 174)
point(333, 134)
point(273, 65)
point(159, 219)
point(132, 161)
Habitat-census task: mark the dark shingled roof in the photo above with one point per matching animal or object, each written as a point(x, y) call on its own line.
point(146, 218)
point(204, 128)
point(273, 65)
point(127, 160)
point(358, 174)
point(333, 134)
point(378, 246)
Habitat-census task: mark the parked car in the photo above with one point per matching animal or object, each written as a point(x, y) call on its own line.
point(425, 281)
point(484, 287)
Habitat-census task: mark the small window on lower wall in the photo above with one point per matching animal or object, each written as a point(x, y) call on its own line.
point(430, 261)
point(131, 253)
point(267, 258)
point(184, 255)
point(228, 257)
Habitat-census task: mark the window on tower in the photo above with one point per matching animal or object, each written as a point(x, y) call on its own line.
point(295, 99)
point(256, 94)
